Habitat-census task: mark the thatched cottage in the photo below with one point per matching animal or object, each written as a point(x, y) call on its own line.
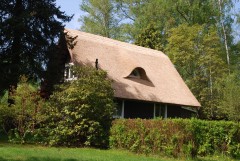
point(145, 82)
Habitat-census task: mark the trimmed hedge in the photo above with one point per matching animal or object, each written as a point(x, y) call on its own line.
point(177, 137)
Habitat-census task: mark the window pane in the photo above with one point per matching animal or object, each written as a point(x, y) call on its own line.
point(159, 110)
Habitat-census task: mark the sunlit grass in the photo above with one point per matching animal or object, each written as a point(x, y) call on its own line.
point(12, 152)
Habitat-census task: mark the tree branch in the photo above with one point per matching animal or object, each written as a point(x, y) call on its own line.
point(182, 14)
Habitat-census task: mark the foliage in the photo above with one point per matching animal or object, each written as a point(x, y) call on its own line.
point(177, 137)
point(29, 29)
point(56, 64)
point(131, 10)
point(196, 52)
point(230, 95)
point(101, 18)
point(6, 114)
point(23, 116)
point(150, 38)
point(168, 14)
point(80, 111)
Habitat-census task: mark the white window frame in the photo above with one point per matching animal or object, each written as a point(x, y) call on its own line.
point(154, 110)
point(68, 73)
point(122, 111)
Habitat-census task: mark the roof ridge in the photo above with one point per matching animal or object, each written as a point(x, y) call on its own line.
point(126, 45)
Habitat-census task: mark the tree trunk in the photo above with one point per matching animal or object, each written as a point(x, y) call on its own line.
point(16, 45)
point(224, 34)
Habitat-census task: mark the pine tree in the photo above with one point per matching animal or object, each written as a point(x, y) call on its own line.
point(28, 30)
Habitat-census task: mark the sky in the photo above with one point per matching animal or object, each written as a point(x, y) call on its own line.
point(71, 7)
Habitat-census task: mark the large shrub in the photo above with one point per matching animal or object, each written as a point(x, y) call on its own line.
point(80, 111)
point(177, 137)
point(22, 111)
point(6, 114)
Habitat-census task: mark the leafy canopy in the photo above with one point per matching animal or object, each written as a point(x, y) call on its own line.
point(101, 18)
point(150, 38)
point(196, 52)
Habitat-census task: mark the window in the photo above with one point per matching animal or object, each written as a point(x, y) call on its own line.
point(160, 110)
point(118, 113)
point(135, 73)
point(68, 74)
point(138, 73)
point(119, 109)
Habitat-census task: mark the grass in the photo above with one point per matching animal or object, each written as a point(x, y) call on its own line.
point(16, 152)
point(12, 152)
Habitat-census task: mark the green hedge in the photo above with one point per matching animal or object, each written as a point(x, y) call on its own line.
point(177, 137)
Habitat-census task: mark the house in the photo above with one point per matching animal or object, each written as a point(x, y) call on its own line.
point(145, 82)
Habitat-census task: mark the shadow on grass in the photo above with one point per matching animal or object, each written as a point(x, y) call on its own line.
point(3, 137)
point(209, 159)
point(198, 159)
point(43, 159)
point(48, 158)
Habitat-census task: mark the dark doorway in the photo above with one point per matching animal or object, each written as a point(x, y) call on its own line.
point(136, 109)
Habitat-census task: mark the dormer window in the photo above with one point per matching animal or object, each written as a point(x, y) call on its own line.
point(138, 73)
point(135, 73)
point(68, 73)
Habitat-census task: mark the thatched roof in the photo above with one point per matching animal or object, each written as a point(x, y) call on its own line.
point(160, 80)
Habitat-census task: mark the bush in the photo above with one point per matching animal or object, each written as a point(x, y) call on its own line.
point(23, 116)
point(6, 114)
point(80, 111)
point(177, 137)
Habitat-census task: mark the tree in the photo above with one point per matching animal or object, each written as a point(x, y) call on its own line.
point(196, 53)
point(80, 111)
point(58, 56)
point(130, 10)
point(229, 104)
point(101, 18)
point(169, 14)
point(210, 12)
point(150, 38)
point(28, 30)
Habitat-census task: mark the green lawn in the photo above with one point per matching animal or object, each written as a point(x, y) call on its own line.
point(38, 153)
point(11, 152)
